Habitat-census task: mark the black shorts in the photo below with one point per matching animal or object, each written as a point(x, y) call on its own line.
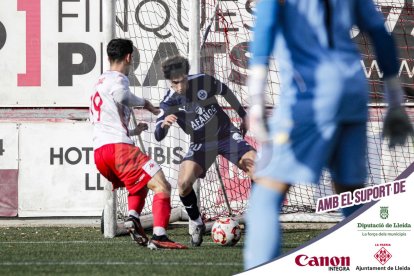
point(232, 148)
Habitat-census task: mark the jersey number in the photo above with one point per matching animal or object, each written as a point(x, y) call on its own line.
point(96, 105)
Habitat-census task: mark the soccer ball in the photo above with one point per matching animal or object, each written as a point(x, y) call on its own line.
point(226, 231)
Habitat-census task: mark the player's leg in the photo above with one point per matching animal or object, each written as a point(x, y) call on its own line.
point(136, 202)
point(296, 153)
point(188, 174)
point(194, 165)
point(348, 162)
point(105, 159)
point(239, 152)
point(265, 201)
point(161, 205)
point(139, 172)
point(161, 209)
point(264, 204)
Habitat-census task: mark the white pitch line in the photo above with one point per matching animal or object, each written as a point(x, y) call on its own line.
point(116, 263)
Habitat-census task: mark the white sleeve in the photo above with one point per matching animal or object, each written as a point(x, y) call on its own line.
point(127, 98)
point(121, 94)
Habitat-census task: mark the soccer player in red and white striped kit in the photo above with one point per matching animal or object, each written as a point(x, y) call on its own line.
point(116, 156)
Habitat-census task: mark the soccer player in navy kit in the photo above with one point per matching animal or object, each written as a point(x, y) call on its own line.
point(321, 119)
point(191, 103)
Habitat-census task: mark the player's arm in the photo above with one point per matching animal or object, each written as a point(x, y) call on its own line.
point(151, 108)
point(164, 122)
point(125, 97)
point(228, 94)
point(370, 21)
point(231, 98)
point(261, 48)
point(397, 125)
point(138, 129)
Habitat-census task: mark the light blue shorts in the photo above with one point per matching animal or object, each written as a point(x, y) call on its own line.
point(299, 152)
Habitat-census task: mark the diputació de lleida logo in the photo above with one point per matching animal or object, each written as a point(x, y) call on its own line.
point(384, 212)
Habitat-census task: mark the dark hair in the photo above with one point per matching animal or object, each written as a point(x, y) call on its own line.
point(118, 48)
point(175, 66)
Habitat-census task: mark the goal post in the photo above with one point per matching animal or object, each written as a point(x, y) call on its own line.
point(161, 28)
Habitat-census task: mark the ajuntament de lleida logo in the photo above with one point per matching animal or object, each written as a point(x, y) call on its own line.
point(384, 212)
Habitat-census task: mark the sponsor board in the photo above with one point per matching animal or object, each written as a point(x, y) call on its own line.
point(57, 174)
point(8, 169)
point(375, 241)
point(61, 46)
point(48, 169)
point(51, 50)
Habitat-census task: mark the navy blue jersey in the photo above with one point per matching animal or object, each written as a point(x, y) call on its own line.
point(198, 111)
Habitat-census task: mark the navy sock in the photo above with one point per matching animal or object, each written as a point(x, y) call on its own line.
point(190, 203)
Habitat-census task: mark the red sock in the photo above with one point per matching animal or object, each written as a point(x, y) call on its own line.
point(137, 201)
point(161, 209)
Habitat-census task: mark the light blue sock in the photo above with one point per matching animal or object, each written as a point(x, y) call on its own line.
point(263, 236)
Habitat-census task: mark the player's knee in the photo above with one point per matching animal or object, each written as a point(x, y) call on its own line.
point(159, 185)
point(165, 187)
point(184, 187)
point(162, 187)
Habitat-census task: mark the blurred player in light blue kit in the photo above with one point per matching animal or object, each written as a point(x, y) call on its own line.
point(321, 119)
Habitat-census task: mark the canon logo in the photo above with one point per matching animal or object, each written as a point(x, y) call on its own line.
point(304, 260)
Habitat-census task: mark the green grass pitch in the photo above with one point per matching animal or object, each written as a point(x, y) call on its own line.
point(84, 251)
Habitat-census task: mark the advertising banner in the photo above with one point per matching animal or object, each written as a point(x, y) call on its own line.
point(376, 240)
point(8, 169)
point(51, 50)
point(57, 174)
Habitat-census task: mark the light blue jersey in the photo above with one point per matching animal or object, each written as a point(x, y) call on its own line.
point(316, 55)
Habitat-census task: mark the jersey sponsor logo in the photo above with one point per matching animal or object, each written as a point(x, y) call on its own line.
point(199, 110)
point(203, 118)
point(202, 94)
point(237, 136)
